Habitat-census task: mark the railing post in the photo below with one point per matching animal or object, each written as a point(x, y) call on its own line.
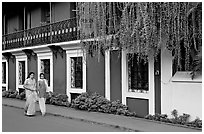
point(24, 18)
point(50, 22)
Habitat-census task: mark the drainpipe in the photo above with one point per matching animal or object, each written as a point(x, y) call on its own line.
point(4, 24)
point(4, 39)
point(24, 19)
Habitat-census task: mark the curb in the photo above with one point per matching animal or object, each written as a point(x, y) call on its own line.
point(143, 119)
point(83, 120)
point(166, 123)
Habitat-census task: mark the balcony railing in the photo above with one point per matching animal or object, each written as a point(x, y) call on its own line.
point(52, 33)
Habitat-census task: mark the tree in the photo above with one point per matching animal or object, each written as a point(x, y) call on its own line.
point(141, 27)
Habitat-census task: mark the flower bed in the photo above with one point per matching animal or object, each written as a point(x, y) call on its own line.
point(98, 103)
point(181, 119)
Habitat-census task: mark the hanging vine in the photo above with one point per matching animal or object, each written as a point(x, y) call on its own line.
point(140, 27)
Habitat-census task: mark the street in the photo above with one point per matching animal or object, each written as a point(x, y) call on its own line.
point(13, 120)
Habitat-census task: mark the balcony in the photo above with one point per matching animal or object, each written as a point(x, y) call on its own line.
point(51, 33)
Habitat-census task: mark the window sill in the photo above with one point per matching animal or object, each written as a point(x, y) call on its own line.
point(185, 77)
point(138, 91)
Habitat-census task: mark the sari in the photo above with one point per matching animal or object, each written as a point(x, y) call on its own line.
point(31, 96)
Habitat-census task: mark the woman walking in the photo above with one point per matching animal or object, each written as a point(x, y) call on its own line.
point(31, 95)
point(42, 88)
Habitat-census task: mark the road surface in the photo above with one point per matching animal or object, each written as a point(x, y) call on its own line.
point(13, 120)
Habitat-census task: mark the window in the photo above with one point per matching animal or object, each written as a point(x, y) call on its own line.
point(3, 72)
point(45, 16)
point(45, 68)
point(21, 72)
point(137, 74)
point(76, 72)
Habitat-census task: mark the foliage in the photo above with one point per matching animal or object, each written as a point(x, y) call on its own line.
point(174, 113)
point(196, 123)
point(5, 93)
point(9, 93)
point(177, 119)
point(57, 99)
point(98, 103)
point(157, 117)
point(21, 96)
point(197, 64)
point(140, 27)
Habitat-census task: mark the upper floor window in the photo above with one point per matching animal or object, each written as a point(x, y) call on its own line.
point(45, 16)
point(137, 74)
point(76, 72)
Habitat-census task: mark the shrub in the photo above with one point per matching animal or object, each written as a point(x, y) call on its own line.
point(174, 113)
point(48, 96)
point(149, 117)
point(22, 95)
point(57, 99)
point(181, 119)
point(79, 102)
point(196, 123)
point(13, 94)
point(5, 93)
point(97, 103)
point(10, 93)
point(62, 97)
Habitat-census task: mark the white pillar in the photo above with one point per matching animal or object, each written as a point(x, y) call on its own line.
point(45, 53)
point(20, 56)
point(107, 74)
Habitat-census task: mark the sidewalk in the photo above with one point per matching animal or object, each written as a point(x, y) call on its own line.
point(118, 121)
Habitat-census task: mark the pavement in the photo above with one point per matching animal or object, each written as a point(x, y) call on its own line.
point(117, 121)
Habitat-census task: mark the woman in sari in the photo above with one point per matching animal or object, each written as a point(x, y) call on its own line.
point(31, 94)
point(42, 88)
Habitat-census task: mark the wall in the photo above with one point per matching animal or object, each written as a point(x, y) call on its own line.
point(60, 11)
point(184, 96)
point(12, 74)
point(59, 66)
point(115, 76)
point(32, 66)
point(95, 75)
point(166, 92)
point(187, 98)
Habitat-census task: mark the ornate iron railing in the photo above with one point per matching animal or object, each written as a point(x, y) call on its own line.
point(52, 33)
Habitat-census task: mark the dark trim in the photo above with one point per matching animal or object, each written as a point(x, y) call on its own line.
point(138, 105)
point(56, 49)
point(115, 76)
point(8, 56)
point(157, 83)
point(30, 53)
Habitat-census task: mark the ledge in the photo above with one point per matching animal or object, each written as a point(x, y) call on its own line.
point(185, 77)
